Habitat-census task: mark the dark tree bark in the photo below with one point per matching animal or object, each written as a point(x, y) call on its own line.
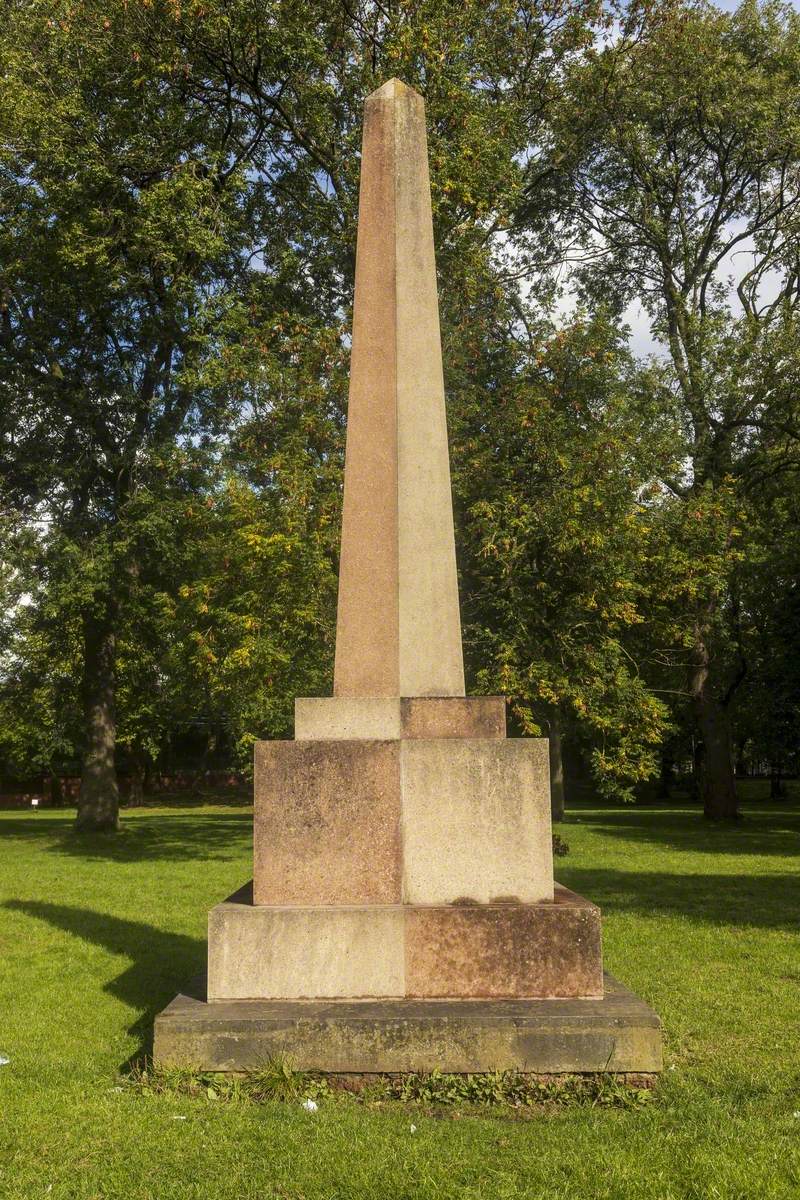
point(740, 765)
point(136, 781)
point(696, 779)
point(777, 784)
point(556, 769)
point(718, 784)
point(98, 798)
point(666, 780)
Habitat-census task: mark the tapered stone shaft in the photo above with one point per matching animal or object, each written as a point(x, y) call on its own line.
point(398, 629)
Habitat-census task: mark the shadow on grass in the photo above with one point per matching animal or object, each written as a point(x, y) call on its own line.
point(765, 832)
point(162, 961)
point(220, 837)
point(755, 901)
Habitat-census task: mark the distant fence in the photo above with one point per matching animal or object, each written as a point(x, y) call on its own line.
point(60, 792)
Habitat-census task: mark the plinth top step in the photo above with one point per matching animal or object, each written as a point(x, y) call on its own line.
point(388, 718)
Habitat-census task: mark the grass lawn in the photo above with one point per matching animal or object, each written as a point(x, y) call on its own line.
point(97, 934)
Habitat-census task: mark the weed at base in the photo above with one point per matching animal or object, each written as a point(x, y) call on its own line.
point(277, 1079)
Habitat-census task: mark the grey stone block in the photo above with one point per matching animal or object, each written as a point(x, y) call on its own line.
point(618, 1033)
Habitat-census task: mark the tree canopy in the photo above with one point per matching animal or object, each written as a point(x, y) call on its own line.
point(178, 210)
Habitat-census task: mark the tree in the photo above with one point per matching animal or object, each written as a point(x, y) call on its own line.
point(556, 545)
point(127, 216)
point(766, 714)
point(679, 145)
point(175, 180)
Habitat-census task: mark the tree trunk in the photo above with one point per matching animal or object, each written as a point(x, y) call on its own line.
point(556, 769)
point(666, 780)
point(777, 784)
point(98, 798)
point(696, 780)
point(136, 781)
point(718, 786)
point(740, 767)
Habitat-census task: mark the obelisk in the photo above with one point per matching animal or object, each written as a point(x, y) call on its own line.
point(402, 856)
point(398, 631)
point(402, 843)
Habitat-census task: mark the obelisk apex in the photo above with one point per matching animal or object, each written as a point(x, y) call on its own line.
point(398, 630)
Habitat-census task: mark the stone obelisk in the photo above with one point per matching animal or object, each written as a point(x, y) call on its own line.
point(403, 852)
point(398, 631)
point(402, 843)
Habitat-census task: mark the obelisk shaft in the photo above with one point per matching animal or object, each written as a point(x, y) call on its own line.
point(398, 629)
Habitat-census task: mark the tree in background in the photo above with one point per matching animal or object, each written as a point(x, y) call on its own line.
point(766, 714)
point(178, 188)
point(558, 547)
point(178, 192)
point(679, 147)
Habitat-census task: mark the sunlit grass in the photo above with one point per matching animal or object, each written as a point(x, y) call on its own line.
point(97, 935)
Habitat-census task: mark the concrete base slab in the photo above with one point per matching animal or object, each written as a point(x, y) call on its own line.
point(618, 1033)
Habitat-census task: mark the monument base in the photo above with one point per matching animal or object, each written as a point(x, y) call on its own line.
point(617, 1033)
point(404, 951)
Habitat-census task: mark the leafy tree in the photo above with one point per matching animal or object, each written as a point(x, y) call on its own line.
point(557, 547)
point(128, 213)
point(766, 714)
point(172, 180)
point(679, 146)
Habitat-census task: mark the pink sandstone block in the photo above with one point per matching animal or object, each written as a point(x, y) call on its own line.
point(327, 823)
point(504, 950)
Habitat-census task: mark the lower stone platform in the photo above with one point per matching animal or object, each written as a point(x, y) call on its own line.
point(498, 951)
point(617, 1033)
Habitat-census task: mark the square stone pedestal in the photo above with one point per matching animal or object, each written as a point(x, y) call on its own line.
point(402, 820)
point(395, 951)
point(616, 1033)
point(403, 914)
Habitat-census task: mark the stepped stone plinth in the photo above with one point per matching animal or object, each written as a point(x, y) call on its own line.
point(403, 850)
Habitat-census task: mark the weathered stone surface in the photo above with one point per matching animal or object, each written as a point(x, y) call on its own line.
point(476, 821)
point(424, 821)
point(453, 717)
point(618, 1033)
point(431, 951)
point(261, 951)
point(382, 717)
point(327, 823)
point(505, 950)
point(347, 718)
point(398, 630)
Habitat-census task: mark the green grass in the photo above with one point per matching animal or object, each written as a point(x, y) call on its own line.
point(96, 935)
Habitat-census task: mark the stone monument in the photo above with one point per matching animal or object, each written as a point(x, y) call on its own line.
point(403, 913)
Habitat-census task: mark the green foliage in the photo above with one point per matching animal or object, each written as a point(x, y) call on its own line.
point(178, 212)
point(560, 846)
point(517, 1090)
point(677, 149)
point(559, 555)
point(278, 1080)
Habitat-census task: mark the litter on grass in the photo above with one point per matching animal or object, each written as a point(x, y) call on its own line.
point(4, 1061)
point(310, 1105)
